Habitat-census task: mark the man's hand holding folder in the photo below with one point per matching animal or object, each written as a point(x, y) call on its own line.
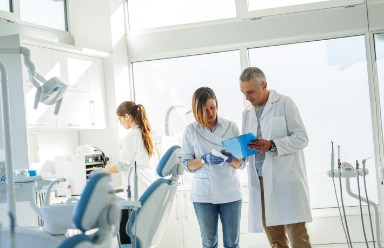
point(261, 145)
point(238, 146)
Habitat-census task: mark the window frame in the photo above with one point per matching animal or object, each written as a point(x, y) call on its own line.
point(244, 13)
point(14, 16)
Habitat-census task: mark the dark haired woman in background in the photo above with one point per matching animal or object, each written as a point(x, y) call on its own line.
point(138, 145)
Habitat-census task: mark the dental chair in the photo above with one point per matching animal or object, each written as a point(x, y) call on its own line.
point(147, 224)
point(96, 211)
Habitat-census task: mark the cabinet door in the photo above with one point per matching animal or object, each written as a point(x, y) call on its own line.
point(173, 235)
point(43, 116)
point(75, 111)
point(96, 93)
point(191, 229)
point(42, 59)
point(72, 68)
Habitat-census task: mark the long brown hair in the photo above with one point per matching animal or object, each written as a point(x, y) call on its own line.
point(137, 112)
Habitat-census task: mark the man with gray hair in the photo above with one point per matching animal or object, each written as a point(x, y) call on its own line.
point(278, 188)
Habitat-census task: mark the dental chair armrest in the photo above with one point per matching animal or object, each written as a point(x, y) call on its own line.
point(36, 209)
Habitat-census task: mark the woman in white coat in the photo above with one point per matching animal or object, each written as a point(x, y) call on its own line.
point(138, 145)
point(138, 148)
point(216, 187)
point(278, 188)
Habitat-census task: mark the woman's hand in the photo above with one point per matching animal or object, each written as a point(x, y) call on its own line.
point(212, 159)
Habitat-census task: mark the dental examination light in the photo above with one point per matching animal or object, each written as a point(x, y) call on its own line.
point(347, 171)
point(49, 92)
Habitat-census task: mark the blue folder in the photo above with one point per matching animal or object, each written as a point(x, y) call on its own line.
point(238, 146)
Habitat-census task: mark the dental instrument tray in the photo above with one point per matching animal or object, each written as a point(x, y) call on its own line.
point(27, 179)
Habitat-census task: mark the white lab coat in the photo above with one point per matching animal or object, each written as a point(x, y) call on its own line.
point(284, 174)
point(215, 184)
point(134, 150)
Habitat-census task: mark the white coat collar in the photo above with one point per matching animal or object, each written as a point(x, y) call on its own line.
point(220, 122)
point(273, 97)
point(135, 126)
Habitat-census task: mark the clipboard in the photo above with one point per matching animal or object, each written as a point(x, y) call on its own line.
point(238, 145)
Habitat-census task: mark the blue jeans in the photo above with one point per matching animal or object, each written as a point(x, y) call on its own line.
point(208, 216)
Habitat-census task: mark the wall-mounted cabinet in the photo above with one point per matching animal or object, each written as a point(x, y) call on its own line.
point(83, 105)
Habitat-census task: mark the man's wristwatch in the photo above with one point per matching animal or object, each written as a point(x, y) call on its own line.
point(273, 147)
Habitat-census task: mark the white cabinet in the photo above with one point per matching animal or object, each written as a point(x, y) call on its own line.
point(75, 111)
point(96, 94)
point(83, 105)
point(72, 68)
point(43, 116)
point(183, 229)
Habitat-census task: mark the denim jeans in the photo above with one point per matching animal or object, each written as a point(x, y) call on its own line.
point(208, 216)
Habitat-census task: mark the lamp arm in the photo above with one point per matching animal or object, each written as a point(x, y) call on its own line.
point(26, 54)
point(167, 115)
point(27, 60)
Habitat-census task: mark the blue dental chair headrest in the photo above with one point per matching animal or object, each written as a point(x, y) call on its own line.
point(146, 225)
point(168, 163)
point(96, 208)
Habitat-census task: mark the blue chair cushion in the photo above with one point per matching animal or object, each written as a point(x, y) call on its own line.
point(76, 240)
point(142, 200)
point(164, 160)
point(84, 200)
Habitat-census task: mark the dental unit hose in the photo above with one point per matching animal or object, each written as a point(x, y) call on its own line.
point(341, 198)
point(136, 191)
point(361, 208)
point(368, 202)
point(334, 187)
point(332, 161)
point(129, 194)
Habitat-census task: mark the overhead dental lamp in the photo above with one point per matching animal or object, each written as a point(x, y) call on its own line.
point(48, 92)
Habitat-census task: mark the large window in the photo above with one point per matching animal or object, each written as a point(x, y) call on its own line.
point(161, 84)
point(167, 85)
point(329, 83)
point(160, 13)
point(47, 13)
point(5, 5)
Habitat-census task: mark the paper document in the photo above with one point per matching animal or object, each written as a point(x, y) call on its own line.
point(238, 145)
